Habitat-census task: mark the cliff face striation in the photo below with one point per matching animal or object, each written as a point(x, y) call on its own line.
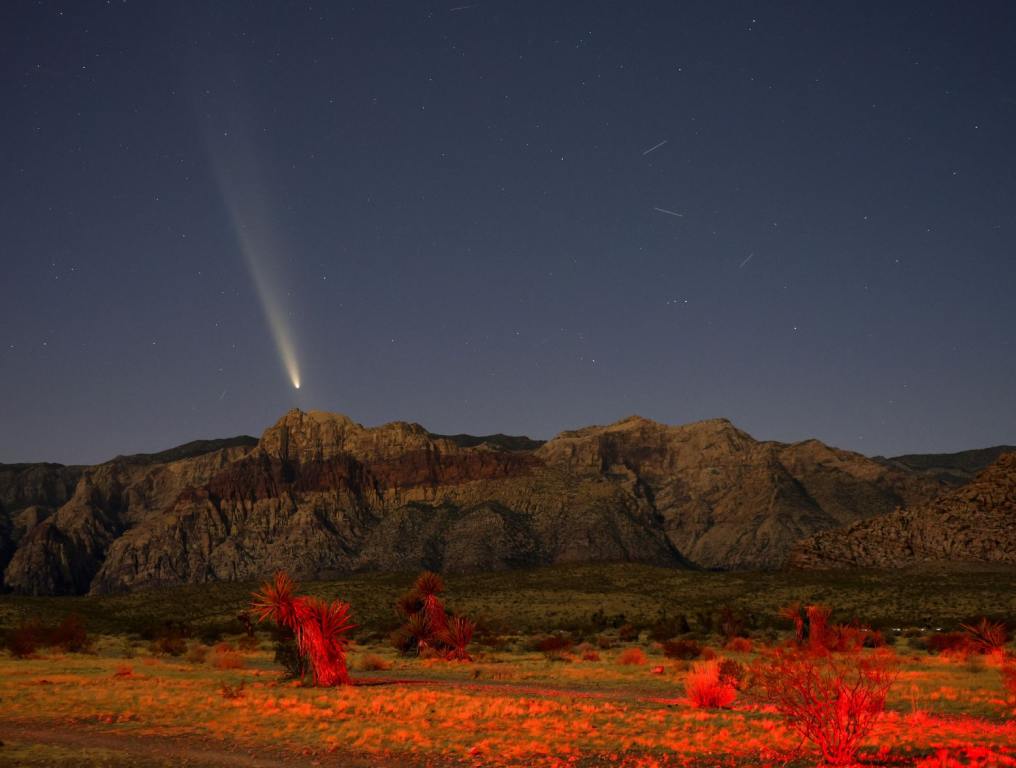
point(975, 523)
point(320, 495)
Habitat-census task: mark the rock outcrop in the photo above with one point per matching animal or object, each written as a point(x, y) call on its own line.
point(974, 524)
point(320, 495)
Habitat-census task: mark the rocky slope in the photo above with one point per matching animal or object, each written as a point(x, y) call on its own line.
point(29, 493)
point(953, 469)
point(975, 523)
point(59, 550)
point(320, 494)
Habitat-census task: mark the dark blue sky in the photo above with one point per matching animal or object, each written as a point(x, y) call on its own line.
point(459, 213)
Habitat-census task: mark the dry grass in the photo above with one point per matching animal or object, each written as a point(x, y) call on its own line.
point(508, 708)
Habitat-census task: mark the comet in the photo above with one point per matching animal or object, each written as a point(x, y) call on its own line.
point(250, 211)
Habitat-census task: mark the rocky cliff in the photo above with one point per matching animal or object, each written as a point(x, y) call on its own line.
point(320, 494)
point(975, 523)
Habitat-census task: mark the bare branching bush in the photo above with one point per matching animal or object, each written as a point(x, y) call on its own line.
point(832, 701)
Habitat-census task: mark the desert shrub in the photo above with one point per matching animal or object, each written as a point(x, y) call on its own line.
point(25, 639)
point(847, 638)
point(951, 643)
point(169, 645)
point(227, 660)
point(70, 634)
point(374, 663)
point(553, 644)
point(706, 688)
point(681, 649)
point(319, 628)
point(631, 657)
point(427, 625)
point(732, 672)
point(456, 638)
point(831, 701)
point(987, 636)
point(739, 645)
point(627, 633)
point(730, 623)
point(197, 653)
point(794, 613)
point(1008, 673)
point(666, 627)
point(818, 630)
point(590, 655)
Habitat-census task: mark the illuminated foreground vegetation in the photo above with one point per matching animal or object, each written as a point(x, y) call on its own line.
point(670, 690)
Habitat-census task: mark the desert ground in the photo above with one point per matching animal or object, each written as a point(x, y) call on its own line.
point(569, 666)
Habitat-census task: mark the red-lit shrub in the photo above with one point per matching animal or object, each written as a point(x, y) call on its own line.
point(987, 636)
point(1008, 673)
point(819, 638)
point(795, 613)
point(319, 627)
point(627, 633)
point(70, 634)
point(847, 638)
point(631, 657)
point(681, 649)
point(950, 643)
point(739, 645)
point(731, 672)
point(590, 655)
point(428, 630)
point(457, 636)
point(229, 660)
point(831, 701)
point(553, 644)
point(23, 641)
point(707, 688)
point(374, 663)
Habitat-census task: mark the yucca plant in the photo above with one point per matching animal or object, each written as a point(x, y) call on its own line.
point(987, 636)
point(457, 636)
point(319, 627)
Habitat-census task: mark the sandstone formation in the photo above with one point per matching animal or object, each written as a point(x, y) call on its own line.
point(975, 524)
point(320, 494)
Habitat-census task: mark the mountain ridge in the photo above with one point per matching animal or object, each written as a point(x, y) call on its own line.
point(321, 494)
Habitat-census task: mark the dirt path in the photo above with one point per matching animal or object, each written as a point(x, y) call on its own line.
point(532, 689)
point(154, 750)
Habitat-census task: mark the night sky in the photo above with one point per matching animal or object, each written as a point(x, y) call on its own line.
point(501, 216)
